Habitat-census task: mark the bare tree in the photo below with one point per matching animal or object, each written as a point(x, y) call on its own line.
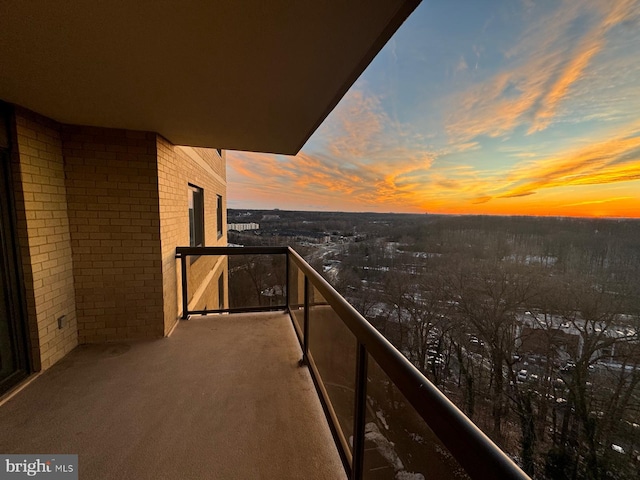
point(609, 356)
point(488, 299)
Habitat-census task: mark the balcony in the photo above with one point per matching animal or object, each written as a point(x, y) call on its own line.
point(220, 398)
point(300, 387)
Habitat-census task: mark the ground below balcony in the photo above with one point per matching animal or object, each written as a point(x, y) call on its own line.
point(222, 398)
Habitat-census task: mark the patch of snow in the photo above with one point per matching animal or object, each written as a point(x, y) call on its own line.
point(426, 255)
point(546, 260)
point(404, 475)
point(384, 446)
point(388, 452)
point(377, 269)
point(380, 416)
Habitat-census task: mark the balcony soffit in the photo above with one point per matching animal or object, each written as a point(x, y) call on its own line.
point(241, 75)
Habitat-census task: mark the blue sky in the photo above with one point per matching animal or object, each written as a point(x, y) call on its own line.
point(488, 107)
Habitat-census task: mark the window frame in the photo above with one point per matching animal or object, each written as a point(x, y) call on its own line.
point(195, 205)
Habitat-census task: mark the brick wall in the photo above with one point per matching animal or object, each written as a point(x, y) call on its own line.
point(44, 237)
point(100, 212)
point(112, 191)
point(177, 168)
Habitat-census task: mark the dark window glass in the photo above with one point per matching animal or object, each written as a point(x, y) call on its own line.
point(196, 216)
point(219, 210)
point(221, 291)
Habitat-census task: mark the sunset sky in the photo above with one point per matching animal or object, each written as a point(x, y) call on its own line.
point(483, 107)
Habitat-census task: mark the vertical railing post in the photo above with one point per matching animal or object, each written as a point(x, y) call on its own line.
point(287, 279)
point(185, 299)
point(305, 331)
point(360, 412)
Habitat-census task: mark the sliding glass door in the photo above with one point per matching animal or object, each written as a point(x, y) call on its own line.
point(13, 348)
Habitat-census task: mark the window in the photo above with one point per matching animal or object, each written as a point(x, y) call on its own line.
point(221, 291)
point(196, 216)
point(219, 211)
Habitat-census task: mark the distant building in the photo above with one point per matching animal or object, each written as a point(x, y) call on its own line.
point(241, 227)
point(569, 337)
point(271, 217)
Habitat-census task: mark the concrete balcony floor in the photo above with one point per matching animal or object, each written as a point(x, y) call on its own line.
point(222, 397)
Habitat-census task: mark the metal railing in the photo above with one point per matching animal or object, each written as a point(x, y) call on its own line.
point(369, 390)
point(187, 252)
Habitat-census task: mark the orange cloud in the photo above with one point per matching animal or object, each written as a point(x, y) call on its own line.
point(366, 185)
point(363, 162)
point(568, 77)
point(545, 205)
point(356, 127)
point(616, 160)
point(543, 69)
point(610, 161)
point(597, 202)
point(483, 199)
point(517, 194)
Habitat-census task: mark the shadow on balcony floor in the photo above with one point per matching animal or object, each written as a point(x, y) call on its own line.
point(221, 398)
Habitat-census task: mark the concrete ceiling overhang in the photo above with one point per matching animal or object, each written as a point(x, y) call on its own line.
point(241, 75)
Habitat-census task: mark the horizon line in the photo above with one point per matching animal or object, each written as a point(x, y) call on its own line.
point(519, 215)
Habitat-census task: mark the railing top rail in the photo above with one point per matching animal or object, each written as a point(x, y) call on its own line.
point(180, 251)
point(475, 452)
